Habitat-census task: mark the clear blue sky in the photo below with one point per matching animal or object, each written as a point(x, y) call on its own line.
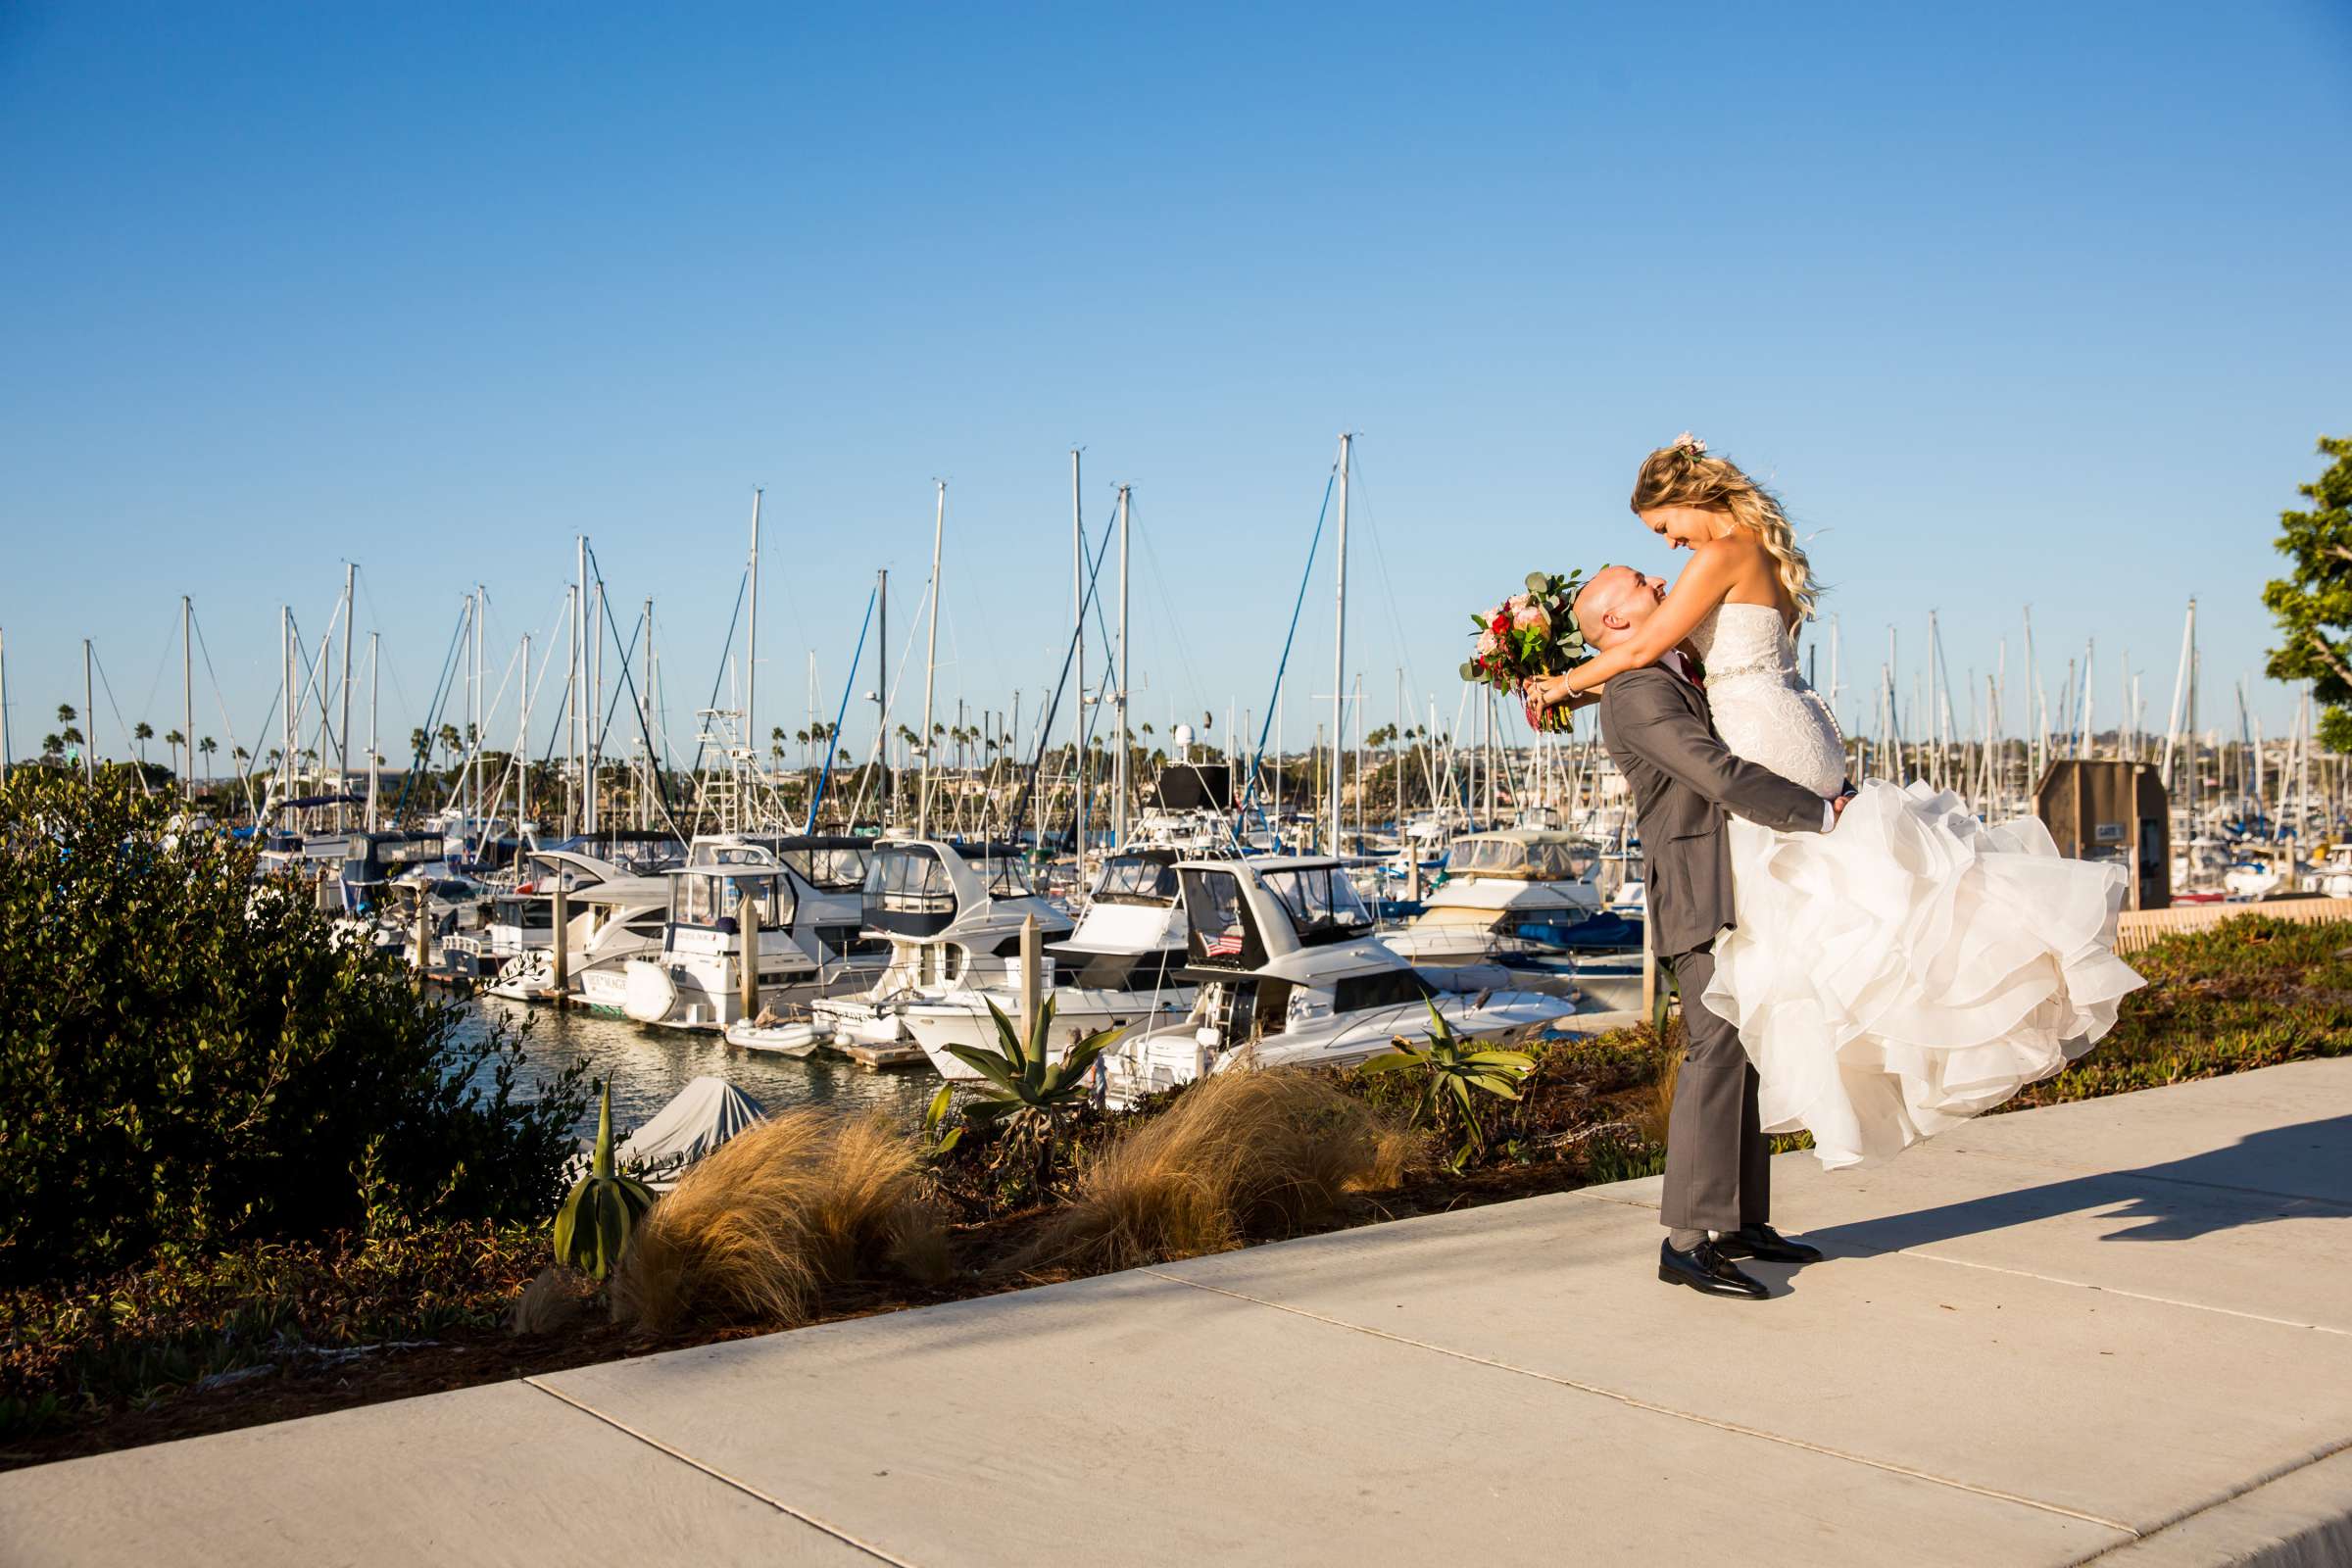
point(2017, 304)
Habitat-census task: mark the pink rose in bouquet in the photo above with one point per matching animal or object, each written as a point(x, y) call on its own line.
point(1531, 633)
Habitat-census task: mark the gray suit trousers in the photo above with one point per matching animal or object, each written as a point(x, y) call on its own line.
point(1718, 1166)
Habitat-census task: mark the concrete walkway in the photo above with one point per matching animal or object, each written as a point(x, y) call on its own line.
point(2118, 1332)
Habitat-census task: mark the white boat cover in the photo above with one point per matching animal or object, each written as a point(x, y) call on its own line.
point(706, 1114)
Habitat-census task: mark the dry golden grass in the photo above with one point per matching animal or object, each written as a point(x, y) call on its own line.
point(555, 1299)
point(754, 1233)
point(1241, 1155)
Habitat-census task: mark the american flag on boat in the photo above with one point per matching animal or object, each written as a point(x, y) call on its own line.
point(1227, 944)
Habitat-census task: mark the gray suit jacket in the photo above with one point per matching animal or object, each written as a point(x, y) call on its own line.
point(1683, 779)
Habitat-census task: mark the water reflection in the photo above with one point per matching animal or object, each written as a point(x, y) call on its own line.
point(648, 1066)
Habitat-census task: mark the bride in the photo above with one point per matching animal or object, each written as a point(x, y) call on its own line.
point(1916, 966)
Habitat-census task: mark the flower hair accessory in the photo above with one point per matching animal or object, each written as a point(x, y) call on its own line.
point(1687, 447)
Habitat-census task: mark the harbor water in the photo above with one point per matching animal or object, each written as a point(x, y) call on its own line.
point(646, 1066)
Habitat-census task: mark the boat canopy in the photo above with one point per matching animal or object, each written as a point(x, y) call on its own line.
point(1139, 876)
point(1531, 855)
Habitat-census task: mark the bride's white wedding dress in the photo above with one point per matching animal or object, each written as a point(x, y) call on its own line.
point(1911, 969)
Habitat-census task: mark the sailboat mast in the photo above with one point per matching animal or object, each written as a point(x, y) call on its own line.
point(375, 690)
point(343, 738)
point(1078, 620)
point(939, 523)
point(3, 709)
point(1119, 808)
point(751, 650)
point(1338, 649)
point(188, 702)
point(89, 716)
point(285, 751)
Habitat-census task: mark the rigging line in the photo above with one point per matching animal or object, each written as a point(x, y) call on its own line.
point(1258, 755)
point(1175, 625)
point(418, 758)
point(636, 704)
point(108, 687)
point(1380, 558)
point(407, 708)
point(1018, 818)
point(889, 704)
point(161, 660)
point(847, 684)
point(244, 775)
point(694, 768)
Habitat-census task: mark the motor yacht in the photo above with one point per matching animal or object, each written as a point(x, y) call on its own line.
point(1289, 971)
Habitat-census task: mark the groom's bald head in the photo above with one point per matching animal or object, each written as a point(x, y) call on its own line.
point(1614, 603)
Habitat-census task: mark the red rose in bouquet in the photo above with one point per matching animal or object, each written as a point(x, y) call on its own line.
point(1531, 633)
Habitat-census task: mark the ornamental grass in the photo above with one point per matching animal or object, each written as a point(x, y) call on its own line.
point(1240, 1155)
point(755, 1233)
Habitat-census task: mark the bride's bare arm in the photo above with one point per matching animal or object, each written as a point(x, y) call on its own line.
point(1701, 588)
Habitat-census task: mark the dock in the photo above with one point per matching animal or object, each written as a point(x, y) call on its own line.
point(2116, 1332)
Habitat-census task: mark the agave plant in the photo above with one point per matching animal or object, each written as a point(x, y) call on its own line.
point(595, 1221)
point(1022, 1091)
point(1455, 1072)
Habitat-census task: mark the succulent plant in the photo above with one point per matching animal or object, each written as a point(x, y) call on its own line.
point(595, 1221)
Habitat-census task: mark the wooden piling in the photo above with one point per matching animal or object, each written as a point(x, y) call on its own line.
point(560, 973)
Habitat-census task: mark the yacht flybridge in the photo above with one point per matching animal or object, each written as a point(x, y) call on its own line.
point(952, 914)
point(1121, 966)
point(1288, 972)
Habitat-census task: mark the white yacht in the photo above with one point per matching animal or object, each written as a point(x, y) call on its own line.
point(696, 981)
point(1507, 913)
point(952, 916)
point(1288, 972)
point(827, 874)
point(1121, 966)
point(608, 923)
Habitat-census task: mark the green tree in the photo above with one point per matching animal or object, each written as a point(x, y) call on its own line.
point(2313, 604)
point(193, 1059)
point(142, 732)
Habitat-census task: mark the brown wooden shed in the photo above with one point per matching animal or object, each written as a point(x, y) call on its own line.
point(2112, 811)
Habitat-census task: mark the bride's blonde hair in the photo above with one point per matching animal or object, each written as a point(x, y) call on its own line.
point(1684, 475)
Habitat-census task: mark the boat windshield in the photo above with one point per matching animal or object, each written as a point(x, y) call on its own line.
point(706, 899)
point(1137, 879)
point(1002, 874)
point(1324, 905)
point(839, 869)
point(907, 891)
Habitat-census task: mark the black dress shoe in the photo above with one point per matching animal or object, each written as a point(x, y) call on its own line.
point(1763, 1243)
point(1704, 1268)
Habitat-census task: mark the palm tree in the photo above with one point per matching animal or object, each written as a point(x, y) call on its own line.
point(176, 740)
point(142, 732)
point(205, 748)
point(52, 744)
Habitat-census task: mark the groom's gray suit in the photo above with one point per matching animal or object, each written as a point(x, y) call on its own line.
point(1655, 723)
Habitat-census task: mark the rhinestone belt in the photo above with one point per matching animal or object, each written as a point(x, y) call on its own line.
point(1758, 666)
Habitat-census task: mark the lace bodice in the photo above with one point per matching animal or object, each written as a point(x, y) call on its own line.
point(1763, 708)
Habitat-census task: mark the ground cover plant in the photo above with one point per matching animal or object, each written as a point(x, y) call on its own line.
point(811, 1217)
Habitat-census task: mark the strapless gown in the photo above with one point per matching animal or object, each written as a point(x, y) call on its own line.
point(1910, 969)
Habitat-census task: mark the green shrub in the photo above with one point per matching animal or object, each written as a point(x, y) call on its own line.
point(191, 1061)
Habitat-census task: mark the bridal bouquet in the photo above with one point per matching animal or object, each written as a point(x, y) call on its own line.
point(1531, 633)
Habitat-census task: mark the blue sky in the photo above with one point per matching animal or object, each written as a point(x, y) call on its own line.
point(2017, 304)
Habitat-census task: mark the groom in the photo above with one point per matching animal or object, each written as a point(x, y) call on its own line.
point(1657, 729)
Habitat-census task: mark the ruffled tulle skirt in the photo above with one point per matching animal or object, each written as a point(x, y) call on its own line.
point(1912, 968)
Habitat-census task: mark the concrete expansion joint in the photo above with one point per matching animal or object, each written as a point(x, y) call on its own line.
point(721, 1477)
point(1633, 1402)
point(2225, 1499)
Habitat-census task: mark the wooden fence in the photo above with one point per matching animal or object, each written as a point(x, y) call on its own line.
point(2140, 928)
